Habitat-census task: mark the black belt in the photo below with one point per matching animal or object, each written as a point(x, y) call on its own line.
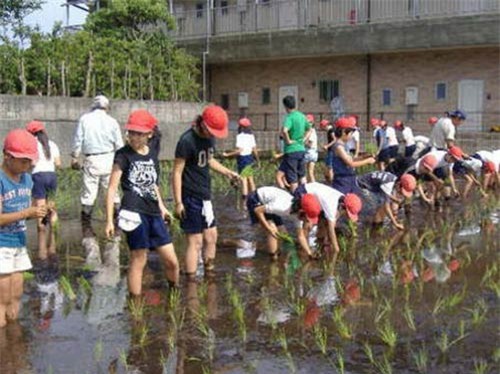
point(97, 154)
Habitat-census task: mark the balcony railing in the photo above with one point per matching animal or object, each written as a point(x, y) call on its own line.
point(265, 16)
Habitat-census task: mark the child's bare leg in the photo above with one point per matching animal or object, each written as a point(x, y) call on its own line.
point(280, 179)
point(272, 243)
point(170, 262)
point(16, 284)
point(251, 184)
point(51, 247)
point(5, 297)
point(210, 241)
point(138, 259)
point(380, 214)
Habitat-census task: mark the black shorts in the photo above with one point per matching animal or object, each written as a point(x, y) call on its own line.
point(44, 183)
point(150, 234)
point(194, 221)
point(253, 202)
point(293, 165)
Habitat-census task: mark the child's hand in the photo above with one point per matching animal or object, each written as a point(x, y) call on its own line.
point(36, 211)
point(399, 226)
point(179, 210)
point(225, 154)
point(110, 229)
point(371, 160)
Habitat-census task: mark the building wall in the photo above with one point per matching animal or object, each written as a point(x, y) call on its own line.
point(389, 70)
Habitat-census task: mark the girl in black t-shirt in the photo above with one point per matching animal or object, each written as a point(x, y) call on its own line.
point(142, 212)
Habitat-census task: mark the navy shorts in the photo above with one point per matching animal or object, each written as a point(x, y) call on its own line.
point(253, 202)
point(410, 150)
point(244, 161)
point(387, 153)
point(44, 183)
point(329, 159)
point(346, 184)
point(459, 168)
point(293, 165)
point(194, 222)
point(150, 234)
point(441, 173)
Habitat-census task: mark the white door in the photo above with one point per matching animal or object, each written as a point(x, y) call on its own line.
point(286, 91)
point(470, 100)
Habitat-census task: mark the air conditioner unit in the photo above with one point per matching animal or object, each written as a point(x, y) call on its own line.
point(242, 100)
point(411, 95)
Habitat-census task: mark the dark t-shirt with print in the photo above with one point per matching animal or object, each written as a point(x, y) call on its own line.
point(138, 181)
point(196, 176)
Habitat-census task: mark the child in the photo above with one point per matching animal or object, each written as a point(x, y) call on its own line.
point(267, 206)
point(246, 150)
point(388, 148)
point(330, 139)
point(388, 192)
point(20, 151)
point(311, 143)
point(192, 187)
point(45, 183)
point(142, 212)
point(354, 142)
point(408, 138)
point(344, 176)
point(375, 124)
point(481, 164)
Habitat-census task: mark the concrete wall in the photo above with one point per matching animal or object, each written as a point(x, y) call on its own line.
point(61, 114)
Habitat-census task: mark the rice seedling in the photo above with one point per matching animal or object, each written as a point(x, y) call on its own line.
point(67, 289)
point(369, 352)
point(438, 305)
point(205, 369)
point(285, 237)
point(122, 357)
point(143, 335)
point(340, 367)
point(284, 345)
point(27, 276)
point(321, 337)
point(384, 366)
point(98, 349)
point(85, 285)
point(342, 327)
point(136, 308)
point(443, 342)
point(409, 317)
point(383, 309)
point(238, 313)
point(480, 366)
point(421, 360)
point(387, 334)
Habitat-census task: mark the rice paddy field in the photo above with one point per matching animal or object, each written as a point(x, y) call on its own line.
point(423, 300)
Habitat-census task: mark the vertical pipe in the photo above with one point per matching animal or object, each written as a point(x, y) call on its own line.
point(368, 88)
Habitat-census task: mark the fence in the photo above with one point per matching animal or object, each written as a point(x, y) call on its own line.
point(264, 16)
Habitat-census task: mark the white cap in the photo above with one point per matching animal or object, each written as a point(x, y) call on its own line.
point(100, 102)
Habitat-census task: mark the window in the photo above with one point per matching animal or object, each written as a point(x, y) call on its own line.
point(223, 7)
point(199, 10)
point(386, 96)
point(441, 91)
point(266, 96)
point(328, 89)
point(224, 101)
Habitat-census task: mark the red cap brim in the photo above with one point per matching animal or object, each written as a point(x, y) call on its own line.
point(353, 217)
point(406, 193)
point(313, 220)
point(218, 133)
point(137, 128)
point(30, 156)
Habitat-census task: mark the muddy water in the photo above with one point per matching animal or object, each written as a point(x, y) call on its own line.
point(425, 300)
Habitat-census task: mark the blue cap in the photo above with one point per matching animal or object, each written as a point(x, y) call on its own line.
point(458, 113)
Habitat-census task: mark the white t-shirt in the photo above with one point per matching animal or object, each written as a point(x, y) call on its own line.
point(442, 131)
point(421, 139)
point(328, 198)
point(275, 200)
point(439, 157)
point(312, 141)
point(246, 142)
point(390, 134)
point(44, 164)
point(490, 156)
point(351, 143)
point(407, 134)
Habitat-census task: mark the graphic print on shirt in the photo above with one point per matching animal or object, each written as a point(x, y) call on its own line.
point(143, 177)
point(204, 155)
point(15, 200)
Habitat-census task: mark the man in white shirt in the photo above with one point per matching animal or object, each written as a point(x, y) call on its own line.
point(443, 132)
point(97, 137)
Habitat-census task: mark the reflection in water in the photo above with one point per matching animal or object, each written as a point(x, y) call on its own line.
point(13, 349)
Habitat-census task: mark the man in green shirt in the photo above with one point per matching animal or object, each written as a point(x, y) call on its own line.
point(295, 128)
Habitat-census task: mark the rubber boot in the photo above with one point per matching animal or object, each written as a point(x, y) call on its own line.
point(86, 218)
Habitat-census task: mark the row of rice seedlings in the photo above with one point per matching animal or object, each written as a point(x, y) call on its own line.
point(282, 339)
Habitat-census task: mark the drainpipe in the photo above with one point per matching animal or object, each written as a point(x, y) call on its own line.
point(171, 6)
point(368, 88)
point(207, 50)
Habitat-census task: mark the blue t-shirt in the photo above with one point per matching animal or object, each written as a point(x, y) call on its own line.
point(15, 196)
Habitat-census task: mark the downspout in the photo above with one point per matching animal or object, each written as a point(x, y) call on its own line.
point(207, 50)
point(368, 89)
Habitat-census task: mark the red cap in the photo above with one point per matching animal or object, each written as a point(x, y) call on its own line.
point(345, 123)
point(353, 206)
point(244, 122)
point(408, 184)
point(429, 162)
point(21, 144)
point(374, 122)
point(456, 152)
point(489, 167)
point(141, 120)
point(311, 207)
point(310, 118)
point(324, 123)
point(216, 120)
point(35, 126)
point(398, 124)
point(432, 120)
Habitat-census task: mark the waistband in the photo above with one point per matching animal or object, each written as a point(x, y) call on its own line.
point(98, 154)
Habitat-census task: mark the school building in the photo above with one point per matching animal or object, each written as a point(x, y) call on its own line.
point(400, 59)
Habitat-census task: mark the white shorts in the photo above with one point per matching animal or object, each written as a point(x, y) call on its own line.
point(13, 260)
point(311, 155)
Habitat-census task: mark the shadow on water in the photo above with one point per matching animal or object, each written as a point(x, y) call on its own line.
point(423, 300)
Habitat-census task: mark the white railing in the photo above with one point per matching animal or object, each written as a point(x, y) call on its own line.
point(301, 14)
